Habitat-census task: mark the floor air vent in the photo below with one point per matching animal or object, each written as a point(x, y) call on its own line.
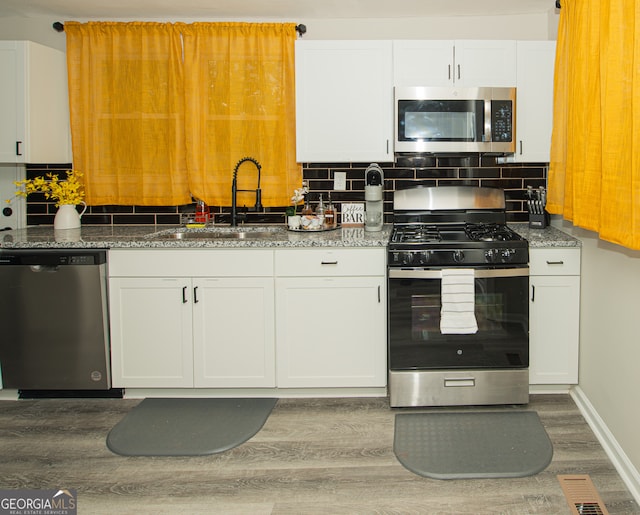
point(581, 495)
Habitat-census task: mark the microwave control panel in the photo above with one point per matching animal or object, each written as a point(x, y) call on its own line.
point(502, 120)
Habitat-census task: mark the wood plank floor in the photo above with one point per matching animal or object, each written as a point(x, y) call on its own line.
point(313, 456)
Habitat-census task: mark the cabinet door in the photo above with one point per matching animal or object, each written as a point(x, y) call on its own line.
point(151, 332)
point(423, 63)
point(234, 332)
point(344, 101)
point(554, 318)
point(534, 117)
point(12, 91)
point(34, 104)
point(331, 332)
point(485, 63)
point(464, 63)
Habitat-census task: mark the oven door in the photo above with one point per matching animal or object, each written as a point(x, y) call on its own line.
point(501, 311)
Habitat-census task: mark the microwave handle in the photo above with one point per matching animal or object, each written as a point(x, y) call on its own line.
point(488, 136)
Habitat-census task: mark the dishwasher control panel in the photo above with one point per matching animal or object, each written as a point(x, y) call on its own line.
point(52, 257)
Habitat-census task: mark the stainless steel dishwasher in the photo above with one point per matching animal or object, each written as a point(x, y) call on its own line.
point(53, 319)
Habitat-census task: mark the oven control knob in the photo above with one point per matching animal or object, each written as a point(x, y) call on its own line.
point(406, 258)
point(458, 256)
point(424, 257)
point(507, 255)
point(491, 255)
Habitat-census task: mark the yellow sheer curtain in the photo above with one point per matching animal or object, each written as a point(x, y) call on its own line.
point(594, 173)
point(127, 112)
point(240, 101)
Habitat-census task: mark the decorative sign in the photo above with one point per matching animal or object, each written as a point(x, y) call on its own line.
point(352, 214)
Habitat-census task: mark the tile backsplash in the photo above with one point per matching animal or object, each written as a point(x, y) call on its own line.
point(472, 169)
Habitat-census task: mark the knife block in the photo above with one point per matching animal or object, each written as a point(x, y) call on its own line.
point(538, 221)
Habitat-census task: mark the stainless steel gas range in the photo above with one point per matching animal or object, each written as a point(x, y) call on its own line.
point(458, 307)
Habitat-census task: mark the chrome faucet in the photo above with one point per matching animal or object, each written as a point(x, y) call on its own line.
point(235, 190)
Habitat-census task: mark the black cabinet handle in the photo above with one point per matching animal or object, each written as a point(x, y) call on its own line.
point(533, 292)
point(18, 149)
point(184, 295)
point(195, 295)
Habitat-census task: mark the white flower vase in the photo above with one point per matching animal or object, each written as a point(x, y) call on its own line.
point(68, 217)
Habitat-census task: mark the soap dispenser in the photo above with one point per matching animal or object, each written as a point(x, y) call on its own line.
point(373, 196)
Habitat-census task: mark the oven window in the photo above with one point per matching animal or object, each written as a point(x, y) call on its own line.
point(442, 120)
point(501, 311)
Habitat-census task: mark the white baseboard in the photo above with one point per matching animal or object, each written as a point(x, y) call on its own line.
point(8, 395)
point(280, 393)
point(621, 462)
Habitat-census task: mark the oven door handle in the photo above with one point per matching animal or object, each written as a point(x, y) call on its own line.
point(480, 273)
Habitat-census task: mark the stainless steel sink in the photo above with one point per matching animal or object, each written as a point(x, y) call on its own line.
point(207, 235)
point(213, 234)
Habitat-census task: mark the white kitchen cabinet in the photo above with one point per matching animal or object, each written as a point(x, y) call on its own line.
point(331, 318)
point(34, 127)
point(192, 318)
point(344, 101)
point(534, 116)
point(151, 332)
point(554, 315)
point(463, 63)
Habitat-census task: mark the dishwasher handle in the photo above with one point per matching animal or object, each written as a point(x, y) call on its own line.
point(44, 268)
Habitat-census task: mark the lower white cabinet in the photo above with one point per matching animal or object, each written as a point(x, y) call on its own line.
point(331, 318)
point(554, 304)
point(192, 318)
point(248, 318)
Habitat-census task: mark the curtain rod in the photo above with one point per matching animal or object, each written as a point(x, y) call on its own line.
point(59, 27)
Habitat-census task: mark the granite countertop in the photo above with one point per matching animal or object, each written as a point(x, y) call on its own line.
point(159, 236)
point(548, 237)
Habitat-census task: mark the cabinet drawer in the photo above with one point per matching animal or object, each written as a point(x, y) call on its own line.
point(557, 261)
point(191, 263)
point(330, 262)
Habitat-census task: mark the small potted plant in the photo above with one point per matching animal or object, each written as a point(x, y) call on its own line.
point(293, 219)
point(67, 194)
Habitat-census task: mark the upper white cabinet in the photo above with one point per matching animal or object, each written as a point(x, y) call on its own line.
point(464, 63)
point(344, 101)
point(554, 315)
point(534, 116)
point(34, 127)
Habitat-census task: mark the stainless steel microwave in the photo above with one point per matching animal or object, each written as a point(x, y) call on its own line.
point(455, 120)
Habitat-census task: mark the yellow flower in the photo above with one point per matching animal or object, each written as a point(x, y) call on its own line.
point(69, 191)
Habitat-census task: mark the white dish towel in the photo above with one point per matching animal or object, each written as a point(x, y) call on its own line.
point(457, 315)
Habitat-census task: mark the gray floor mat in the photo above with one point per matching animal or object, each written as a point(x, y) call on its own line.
point(188, 427)
point(478, 444)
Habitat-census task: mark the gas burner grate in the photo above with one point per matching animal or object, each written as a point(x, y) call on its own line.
point(421, 234)
point(489, 232)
